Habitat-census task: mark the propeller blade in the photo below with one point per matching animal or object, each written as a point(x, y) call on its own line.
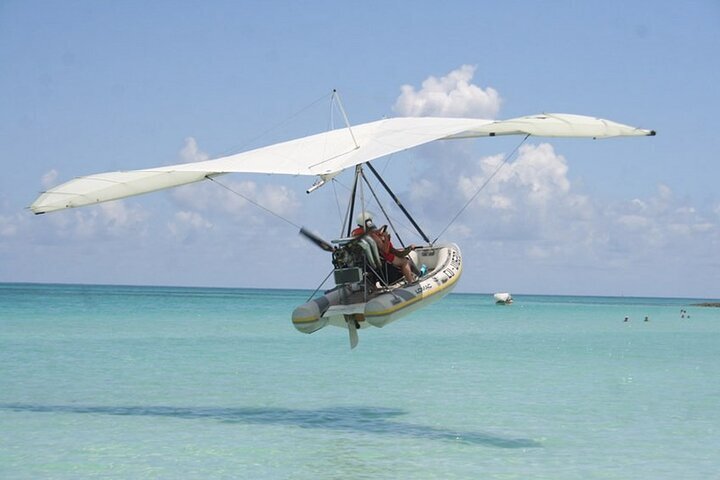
point(316, 240)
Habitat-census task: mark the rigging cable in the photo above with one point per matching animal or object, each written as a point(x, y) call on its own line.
point(396, 220)
point(254, 202)
point(330, 95)
point(337, 203)
point(336, 96)
point(502, 164)
point(321, 285)
point(276, 126)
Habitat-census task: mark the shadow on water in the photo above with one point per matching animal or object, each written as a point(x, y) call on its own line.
point(347, 419)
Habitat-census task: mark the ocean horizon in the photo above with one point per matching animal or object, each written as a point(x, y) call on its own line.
point(122, 381)
point(699, 299)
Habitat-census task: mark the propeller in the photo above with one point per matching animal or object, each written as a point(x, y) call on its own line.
point(352, 324)
point(316, 240)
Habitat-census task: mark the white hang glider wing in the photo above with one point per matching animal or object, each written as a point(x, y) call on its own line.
point(323, 154)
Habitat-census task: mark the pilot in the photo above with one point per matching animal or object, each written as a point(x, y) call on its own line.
point(367, 242)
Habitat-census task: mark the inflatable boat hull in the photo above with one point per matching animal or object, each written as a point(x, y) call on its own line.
point(346, 303)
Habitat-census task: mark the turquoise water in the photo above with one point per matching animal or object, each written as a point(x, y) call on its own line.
point(148, 382)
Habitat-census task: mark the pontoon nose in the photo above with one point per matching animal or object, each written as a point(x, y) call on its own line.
point(307, 319)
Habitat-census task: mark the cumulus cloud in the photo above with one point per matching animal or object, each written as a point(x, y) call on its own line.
point(453, 95)
point(8, 225)
point(186, 224)
point(537, 177)
point(191, 153)
point(531, 209)
point(522, 195)
point(106, 220)
point(663, 220)
point(227, 196)
point(237, 199)
point(532, 213)
point(529, 198)
point(49, 179)
point(509, 200)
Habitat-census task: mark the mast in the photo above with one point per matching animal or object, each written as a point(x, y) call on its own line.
point(345, 117)
point(358, 174)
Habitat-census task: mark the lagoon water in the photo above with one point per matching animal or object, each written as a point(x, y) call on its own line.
point(150, 382)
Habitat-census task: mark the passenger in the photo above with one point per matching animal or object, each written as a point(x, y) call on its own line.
point(397, 257)
point(393, 256)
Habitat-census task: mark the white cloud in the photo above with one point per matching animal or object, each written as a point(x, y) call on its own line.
point(49, 179)
point(501, 202)
point(423, 190)
point(704, 227)
point(226, 196)
point(8, 226)
point(191, 153)
point(186, 223)
point(634, 222)
point(214, 199)
point(542, 252)
point(533, 188)
point(112, 219)
point(532, 212)
point(278, 199)
point(529, 199)
point(664, 192)
point(450, 96)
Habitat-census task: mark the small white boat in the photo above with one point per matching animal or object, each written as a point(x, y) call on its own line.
point(503, 298)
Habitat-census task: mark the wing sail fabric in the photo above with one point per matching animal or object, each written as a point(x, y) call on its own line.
point(319, 154)
point(333, 151)
point(322, 154)
point(556, 125)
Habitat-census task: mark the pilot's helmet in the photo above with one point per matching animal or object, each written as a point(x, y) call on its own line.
point(364, 220)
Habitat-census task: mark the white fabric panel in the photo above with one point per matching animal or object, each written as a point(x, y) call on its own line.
point(103, 187)
point(335, 150)
point(556, 125)
point(323, 153)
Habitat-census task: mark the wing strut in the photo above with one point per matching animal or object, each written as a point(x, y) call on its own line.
point(399, 204)
point(349, 218)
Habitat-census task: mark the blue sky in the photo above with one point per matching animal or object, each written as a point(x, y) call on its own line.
point(93, 86)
